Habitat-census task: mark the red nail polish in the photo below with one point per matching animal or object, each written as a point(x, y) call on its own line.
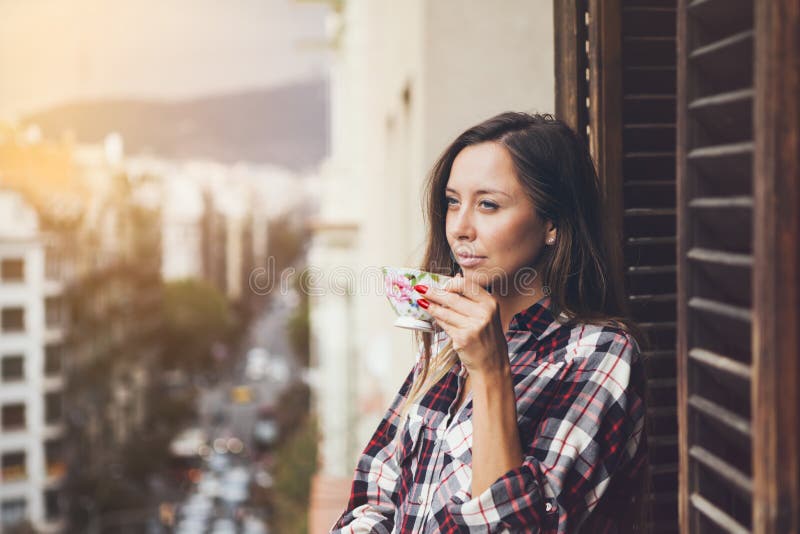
point(419, 288)
point(424, 303)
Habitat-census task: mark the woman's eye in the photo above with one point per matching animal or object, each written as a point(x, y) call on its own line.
point(489, 204)
point(451, 201)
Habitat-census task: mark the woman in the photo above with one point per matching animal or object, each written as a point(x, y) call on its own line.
point(525, 413)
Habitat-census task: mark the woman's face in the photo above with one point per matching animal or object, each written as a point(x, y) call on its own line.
point(491, 224)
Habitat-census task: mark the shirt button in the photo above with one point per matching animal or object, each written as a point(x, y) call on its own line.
point(548, 507)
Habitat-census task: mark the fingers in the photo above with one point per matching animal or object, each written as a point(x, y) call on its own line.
point(447, 318)
point(470, 288)
point(445, 299)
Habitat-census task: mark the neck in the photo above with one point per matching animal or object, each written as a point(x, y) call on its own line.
point(515, 302)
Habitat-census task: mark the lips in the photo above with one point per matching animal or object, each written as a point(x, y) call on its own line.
point(469, 260)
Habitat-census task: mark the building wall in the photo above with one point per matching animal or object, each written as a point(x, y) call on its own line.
point(407, 78)
point(20, 239)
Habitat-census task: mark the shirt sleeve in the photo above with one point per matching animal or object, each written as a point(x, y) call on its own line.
point(373, 495)
point(590, 432)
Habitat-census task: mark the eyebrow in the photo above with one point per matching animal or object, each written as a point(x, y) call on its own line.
point(481, 191)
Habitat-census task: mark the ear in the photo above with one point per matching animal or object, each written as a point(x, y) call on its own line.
point(550, 233)
point(550, 229)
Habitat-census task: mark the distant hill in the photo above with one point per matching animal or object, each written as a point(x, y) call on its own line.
point(286, 125)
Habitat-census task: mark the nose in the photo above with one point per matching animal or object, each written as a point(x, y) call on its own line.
point(460, 225)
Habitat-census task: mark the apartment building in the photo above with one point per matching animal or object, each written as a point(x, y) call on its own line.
point(31, 337)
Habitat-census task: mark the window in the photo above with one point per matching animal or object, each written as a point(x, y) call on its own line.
point(12, 319)
point(12, 270)
point(13, 511)
point(53, 265)
point(54, 312)
point(52, 408)
point(54, 458)
point(52, 359)
point(13, 368)
point(13, 417)
point(13, 466)
point(52, 504)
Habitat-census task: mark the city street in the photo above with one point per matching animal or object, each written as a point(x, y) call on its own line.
point(230, 416)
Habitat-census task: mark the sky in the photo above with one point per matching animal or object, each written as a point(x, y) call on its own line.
point(56, 51)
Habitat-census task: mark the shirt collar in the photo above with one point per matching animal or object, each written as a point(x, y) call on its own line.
point(536, 319)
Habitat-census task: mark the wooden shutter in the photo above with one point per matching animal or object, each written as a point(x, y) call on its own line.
point(739, 211)
point(715, 184)
point(615, 70)
point(738, 205)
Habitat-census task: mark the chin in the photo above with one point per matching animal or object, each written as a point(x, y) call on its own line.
point(485, 277)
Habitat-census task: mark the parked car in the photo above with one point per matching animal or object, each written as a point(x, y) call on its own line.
point(258, 363)
point(265, 430)
point(242, 394)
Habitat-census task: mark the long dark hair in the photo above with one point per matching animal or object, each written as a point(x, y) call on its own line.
point(556, 170)
point(554, 167)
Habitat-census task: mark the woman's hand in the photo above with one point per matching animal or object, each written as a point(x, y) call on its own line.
point(471, 317)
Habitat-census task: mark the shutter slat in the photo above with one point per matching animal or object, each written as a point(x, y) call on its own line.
point(664, 469)
point(727, 165)
point(722, 364)
point(664, 496)
point(653, 298)
point(722, 202)
point(716, 515)
point(722, 103)
point(657, 383)
point(722, 151)
point(724, 470)
point(649, 183)
point(721, 308)
point(649, 126)
point(658, 325)
point(661, 441)
point(650, 97)
point(648, 155)
point(715, 57)
point(659, 354)
point(725, 14)
point(651, 269)
point(722, 415)
point(644, 212)
point(669, 240)
point(727, 116)
point(720, 257)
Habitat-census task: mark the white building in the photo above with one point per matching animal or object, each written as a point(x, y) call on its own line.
point(181, 230)
point(31, 464)
point(407, 78)
point(242, 198)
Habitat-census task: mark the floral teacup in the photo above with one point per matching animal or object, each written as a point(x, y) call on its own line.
point(399, 283)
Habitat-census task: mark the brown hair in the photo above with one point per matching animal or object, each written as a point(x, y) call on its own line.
point(554, 167)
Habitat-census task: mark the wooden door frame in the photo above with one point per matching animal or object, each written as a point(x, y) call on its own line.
point(604, 116)
point(570, 63)
point(776, 291)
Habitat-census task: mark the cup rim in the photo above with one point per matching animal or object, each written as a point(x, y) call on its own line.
point(385, 268)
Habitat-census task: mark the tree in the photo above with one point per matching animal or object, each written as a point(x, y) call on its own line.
point(299, 327)
point(296, 463)
point(196, 317)
point(287, 242)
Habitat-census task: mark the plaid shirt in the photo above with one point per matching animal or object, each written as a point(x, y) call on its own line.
point(580, 414)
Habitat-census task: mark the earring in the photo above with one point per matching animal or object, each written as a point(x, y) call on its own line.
point(551, 241)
